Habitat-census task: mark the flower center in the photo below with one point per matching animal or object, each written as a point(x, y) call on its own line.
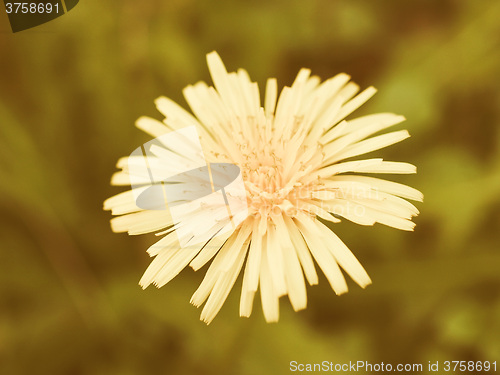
point(269, 192)
point(276, 166)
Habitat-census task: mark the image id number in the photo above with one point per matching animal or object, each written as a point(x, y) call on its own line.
point(31, 8)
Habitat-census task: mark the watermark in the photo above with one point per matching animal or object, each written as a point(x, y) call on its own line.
point(27, 14)
point(347, 199)
point(170, 173)
point(351, 366)
point(369, 367)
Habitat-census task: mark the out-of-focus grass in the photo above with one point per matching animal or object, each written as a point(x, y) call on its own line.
point(70, 91)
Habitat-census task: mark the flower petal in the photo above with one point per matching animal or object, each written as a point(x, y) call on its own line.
point(325, 259)
point(268, 295)
point(344, 257)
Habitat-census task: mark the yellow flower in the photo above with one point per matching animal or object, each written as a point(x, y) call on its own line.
point(293, 156)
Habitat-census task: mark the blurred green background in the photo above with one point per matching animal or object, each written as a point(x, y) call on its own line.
point(70, 91)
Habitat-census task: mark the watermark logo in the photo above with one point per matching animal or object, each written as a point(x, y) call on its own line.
point(27, 14)
point(170, 173)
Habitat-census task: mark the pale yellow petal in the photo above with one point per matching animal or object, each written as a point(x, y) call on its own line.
point(269, 297)
point(370, 144)
point(302, 251)
point(321, 254)
point(384, 186)
point(271, 96)
point(123, 203)
point(275, 260)
point(293, 272)
point(345, 258)
point(141, 222)
point(224, 284)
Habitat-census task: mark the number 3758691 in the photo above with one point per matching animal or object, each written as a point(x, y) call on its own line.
point(31, 8)
point(469, 366)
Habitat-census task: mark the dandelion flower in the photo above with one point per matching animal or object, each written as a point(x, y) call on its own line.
point(295, 153)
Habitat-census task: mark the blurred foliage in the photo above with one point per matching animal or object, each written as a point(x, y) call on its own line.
point(70, 91)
